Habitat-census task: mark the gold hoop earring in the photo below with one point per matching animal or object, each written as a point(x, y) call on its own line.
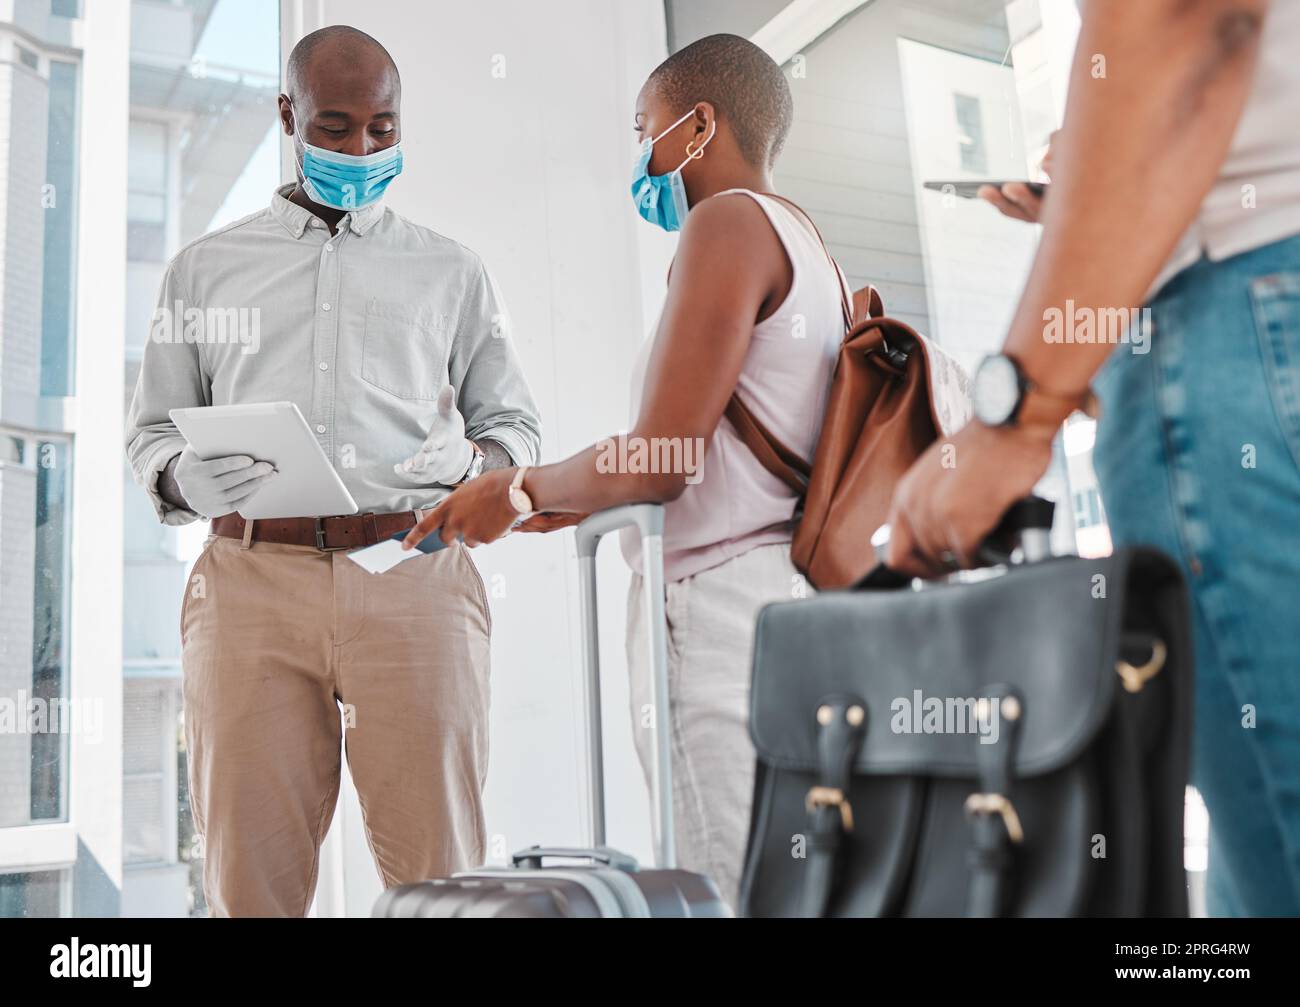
point(693, 155)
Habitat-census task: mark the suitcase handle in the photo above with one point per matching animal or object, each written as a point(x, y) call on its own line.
point(1027, 524)
point(649, 520)
point(533, 856)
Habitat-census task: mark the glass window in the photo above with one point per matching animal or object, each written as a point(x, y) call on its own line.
point(36, 894)
point(49, 624)
point(148, 746)
point(35, 478)
point(38, 226)
point(60, 200)
point(148, 158)
point(970, 134)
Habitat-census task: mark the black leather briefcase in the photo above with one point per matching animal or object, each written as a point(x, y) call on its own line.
point(1016, 745)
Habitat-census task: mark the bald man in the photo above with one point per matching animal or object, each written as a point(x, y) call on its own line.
point(393, 344)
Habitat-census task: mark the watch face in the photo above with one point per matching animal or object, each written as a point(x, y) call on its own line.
point(996, 391)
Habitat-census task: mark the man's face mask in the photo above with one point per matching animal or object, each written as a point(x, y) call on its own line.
point(347, 181)
point(661, 199)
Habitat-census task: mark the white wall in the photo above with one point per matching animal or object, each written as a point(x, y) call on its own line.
point(531, 170)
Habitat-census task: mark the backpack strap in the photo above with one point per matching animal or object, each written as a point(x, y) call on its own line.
point(774, 456)
point(867, 305)
point(770, 452)
point(846, 305)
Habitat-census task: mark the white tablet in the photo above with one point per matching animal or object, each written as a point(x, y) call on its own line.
point(306, 486)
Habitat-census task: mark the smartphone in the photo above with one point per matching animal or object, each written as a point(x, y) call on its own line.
point(967, 189)
point(430, 543)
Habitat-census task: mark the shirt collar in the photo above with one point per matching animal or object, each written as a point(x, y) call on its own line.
point(296, 218)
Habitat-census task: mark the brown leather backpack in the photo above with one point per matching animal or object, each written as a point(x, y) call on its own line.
point(892, 395)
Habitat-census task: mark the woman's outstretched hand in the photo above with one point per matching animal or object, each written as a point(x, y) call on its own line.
point(550, 520)
point(478, 511)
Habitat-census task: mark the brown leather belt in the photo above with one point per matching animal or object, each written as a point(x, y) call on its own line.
point(328, 534)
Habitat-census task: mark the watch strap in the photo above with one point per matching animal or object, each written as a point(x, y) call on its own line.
point(1039, 408)
point(476, 462)
point(517, 490)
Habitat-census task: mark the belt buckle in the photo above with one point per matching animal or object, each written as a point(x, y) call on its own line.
point(320, 538)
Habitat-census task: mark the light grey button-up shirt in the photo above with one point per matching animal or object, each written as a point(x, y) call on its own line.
point(361, 329)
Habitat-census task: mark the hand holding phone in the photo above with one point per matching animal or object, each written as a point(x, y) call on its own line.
point(1017, 200)
point(973, 189)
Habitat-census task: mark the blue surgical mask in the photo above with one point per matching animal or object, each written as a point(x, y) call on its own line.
point(347, 181)
point(661, 199)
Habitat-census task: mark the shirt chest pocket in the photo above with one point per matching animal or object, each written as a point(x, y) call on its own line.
point(405, 350)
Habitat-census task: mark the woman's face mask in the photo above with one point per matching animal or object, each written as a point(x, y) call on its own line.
point(347, 181)
point(661, 199)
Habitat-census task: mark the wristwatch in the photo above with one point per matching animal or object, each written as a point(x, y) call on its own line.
point(519, 498)
point(475, 464)
point(1002, 396)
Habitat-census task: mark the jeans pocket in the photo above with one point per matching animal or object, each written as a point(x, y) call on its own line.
point(1276, 303)
point(477, 579)
point(193, 588)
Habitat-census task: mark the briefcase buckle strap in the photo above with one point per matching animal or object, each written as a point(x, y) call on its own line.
point(1135, 677)
point(830, 797)
point(997, 804)
point(841, 726)
point(991, 861)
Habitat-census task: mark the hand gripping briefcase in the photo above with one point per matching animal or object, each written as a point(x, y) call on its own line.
point(1015, 744)
point(604, 882)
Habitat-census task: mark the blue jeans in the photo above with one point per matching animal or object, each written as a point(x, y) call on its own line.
point(1198, 453)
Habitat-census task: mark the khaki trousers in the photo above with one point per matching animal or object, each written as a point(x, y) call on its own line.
point(274, 639)
point(711, 618)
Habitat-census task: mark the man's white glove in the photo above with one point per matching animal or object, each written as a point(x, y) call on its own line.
point(444, 457)
point(221, 485)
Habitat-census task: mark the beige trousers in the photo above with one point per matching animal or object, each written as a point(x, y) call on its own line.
point(710, 648)
point(286, 651)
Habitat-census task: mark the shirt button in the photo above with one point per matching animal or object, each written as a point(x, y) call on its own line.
point(325, 306)
point(320, 428)
point(329, 248)
point(324, 366)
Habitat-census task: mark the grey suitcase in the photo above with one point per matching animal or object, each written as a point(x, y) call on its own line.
point(603, 882)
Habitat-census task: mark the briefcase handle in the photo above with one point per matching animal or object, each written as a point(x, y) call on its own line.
point(1027, 524)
